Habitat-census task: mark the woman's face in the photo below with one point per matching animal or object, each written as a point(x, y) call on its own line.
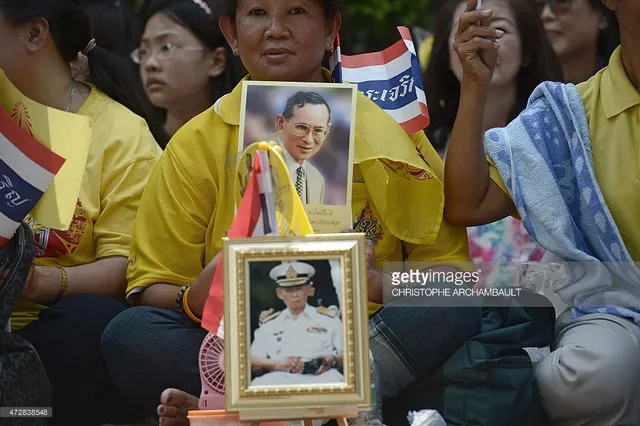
point(283, 40)
point(510, 56)
point(573, 28)
point(174, 65)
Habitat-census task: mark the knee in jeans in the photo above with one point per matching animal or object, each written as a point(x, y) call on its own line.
point(125, 329)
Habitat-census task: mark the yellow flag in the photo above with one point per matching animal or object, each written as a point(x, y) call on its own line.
point(291, 217)
point(66, 134)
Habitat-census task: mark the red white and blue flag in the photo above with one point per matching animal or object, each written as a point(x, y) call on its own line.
point(27, 168)
point(390, 78)
point(255, 217)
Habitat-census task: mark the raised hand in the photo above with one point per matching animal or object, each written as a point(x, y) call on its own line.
point(264, 314)
point(476, 44)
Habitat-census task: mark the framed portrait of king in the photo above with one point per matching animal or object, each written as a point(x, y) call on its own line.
point(296, 324)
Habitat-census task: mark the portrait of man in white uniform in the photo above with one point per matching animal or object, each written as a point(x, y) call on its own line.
point(301, 344)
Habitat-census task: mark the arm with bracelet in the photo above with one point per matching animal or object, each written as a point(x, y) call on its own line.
point(48, 284)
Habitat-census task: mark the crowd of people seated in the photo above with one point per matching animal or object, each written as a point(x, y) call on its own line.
point(515, 88)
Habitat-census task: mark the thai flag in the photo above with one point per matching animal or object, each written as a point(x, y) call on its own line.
point(255, 218)
point(27, 168)
point(391, 78)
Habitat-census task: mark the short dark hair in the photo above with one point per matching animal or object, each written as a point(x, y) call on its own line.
point(609, 38)
point(442, 88)
point(70, 28)
point(330, 8)
point(115, 25)
point(300, 99)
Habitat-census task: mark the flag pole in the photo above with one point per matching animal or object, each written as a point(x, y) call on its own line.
point(267, 200)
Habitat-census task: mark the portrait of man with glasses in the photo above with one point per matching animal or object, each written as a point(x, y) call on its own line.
point(302, 128)
point(313, 124)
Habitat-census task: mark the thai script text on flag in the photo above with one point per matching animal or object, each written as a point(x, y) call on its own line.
point(390, 78)
point(27, 168)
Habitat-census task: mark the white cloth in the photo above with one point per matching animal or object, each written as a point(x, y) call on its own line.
point(426, 418)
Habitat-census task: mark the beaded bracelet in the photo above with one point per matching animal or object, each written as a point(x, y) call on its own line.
point(182, 304)
point(180, 297)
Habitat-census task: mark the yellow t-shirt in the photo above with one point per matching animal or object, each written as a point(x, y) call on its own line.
point(121, 158)
point(612, 106)
point(189, 201)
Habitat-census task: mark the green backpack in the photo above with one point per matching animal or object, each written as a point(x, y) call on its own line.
point(489, 381)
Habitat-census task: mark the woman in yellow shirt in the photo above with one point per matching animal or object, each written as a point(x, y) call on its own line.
point(578, 136)
point(80, 273)
point(189, 204)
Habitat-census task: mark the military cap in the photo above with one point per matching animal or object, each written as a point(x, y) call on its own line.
point(291, 274)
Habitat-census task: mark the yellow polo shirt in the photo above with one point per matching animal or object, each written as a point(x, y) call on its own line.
point(612, 106)
point(188, 203)
point(121, 158)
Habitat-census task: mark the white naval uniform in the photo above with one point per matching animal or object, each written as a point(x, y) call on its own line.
point(310, 335)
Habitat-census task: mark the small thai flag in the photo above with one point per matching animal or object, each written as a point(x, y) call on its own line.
point(27, 168)
point(391, 78)
point(256, 217)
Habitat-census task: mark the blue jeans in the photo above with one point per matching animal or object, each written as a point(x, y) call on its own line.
point(149, 349)
point(410, 343)
point(67, 338)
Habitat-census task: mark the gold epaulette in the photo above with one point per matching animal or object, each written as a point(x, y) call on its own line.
point(333, 313)
point(270, 317)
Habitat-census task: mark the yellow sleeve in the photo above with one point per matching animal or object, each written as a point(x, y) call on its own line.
point(177, 205)
point(494, 175)
point(121, 195)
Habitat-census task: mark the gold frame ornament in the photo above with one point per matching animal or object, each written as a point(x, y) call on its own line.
point(296, 401)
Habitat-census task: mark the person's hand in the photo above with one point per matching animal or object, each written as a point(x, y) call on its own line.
point(264, 314)
point(327, 365)
point(476, 44)
point(293, 364)
point(375, 277)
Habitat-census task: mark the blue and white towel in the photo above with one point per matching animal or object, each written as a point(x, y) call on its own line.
point(544, 157)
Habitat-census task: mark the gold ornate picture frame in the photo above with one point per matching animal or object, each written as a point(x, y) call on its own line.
point(286, 261)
